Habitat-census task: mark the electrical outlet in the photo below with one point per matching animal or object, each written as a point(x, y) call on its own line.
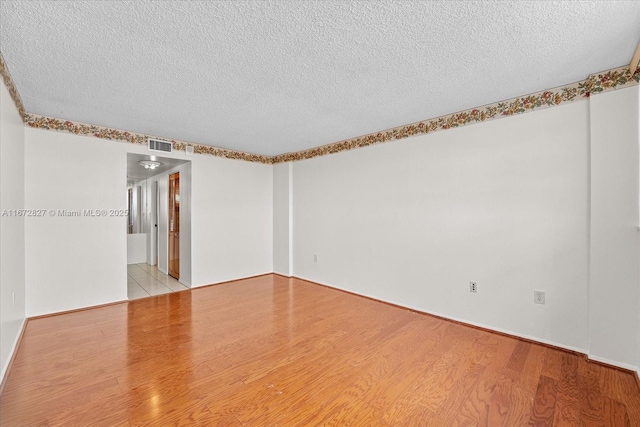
point(538, 297)
point(315, 258)
point(473, 287)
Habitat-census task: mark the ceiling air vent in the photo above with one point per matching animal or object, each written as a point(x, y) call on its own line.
point(159, 145)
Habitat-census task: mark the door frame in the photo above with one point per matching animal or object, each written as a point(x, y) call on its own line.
point(173, 226)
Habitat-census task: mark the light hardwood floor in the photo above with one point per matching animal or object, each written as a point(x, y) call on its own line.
point(273, 351)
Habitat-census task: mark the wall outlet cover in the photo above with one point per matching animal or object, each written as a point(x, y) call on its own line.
point(538, 297)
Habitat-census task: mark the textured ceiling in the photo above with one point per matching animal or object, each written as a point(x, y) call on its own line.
point(270, 77)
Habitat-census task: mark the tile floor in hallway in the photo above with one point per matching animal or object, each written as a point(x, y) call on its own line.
point(145, 280)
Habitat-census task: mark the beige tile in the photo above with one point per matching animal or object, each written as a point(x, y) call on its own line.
point(137, 273)
point(135, 291)
point(138, 295)
point(146, 267)
point(163, 278)
point(160, 291)
point(158, 274)
point(146, 280)
point(155, 288)
point(176, 286)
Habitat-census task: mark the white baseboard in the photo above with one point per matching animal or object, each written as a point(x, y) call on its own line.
point(613, 363)
point(13, 349)
point(465, 321)
point(279, 273)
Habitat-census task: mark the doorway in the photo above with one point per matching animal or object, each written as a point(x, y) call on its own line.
point(159, 239)
point(174, 225)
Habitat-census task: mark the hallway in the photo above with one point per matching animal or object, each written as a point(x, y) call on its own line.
point(144, 280)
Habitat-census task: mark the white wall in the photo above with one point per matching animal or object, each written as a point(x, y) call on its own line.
point(74, 262)
point(614, 279)
point(139, 194)
point(80, 262)
point(136, 248)
point(231, 219)
point(281, 218)
point(138, 205)
point(12, 283)
point(503, 203)
point(185, 224)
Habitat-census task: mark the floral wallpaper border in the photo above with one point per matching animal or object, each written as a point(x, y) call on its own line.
point(616, 78)
point(50, 123)
point(608, 80)
point(11, 87)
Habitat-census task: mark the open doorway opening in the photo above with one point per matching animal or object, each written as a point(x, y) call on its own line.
point(159, 225)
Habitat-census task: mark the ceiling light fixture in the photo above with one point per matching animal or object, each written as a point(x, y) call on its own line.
point(149, 164)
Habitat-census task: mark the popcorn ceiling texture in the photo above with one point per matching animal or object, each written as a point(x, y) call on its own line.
point(609, 80)
point(277, 77)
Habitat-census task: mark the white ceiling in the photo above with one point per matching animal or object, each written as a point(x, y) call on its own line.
point(270, 77)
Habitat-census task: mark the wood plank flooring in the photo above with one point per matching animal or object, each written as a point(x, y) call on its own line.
point(273, 351)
